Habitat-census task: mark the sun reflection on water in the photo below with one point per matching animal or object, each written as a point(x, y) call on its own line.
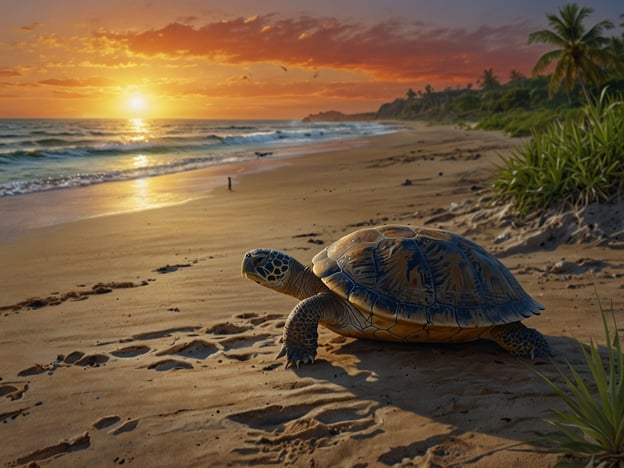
point(142, 196)
point(140, 129)
point(138, 125)
point(142, 192)
point(140, 160)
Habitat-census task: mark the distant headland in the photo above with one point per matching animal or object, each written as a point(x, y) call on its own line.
point(336, 116)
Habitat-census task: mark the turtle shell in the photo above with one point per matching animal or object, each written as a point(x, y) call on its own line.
point(423, 276)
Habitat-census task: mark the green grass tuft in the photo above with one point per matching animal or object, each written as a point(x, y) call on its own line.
point(592, 423)
point(519, 123)
point(574, 162)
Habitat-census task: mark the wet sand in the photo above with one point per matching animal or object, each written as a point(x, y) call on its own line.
point(131, 339)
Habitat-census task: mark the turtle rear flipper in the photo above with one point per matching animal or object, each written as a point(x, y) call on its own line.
point(520, 340)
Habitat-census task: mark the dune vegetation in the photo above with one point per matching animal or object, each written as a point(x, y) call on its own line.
point(573, 116)
point(573, 162)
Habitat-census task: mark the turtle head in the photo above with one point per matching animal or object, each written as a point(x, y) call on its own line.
point(267, 267)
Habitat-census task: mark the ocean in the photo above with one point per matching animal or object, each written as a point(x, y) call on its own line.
point(39, 155)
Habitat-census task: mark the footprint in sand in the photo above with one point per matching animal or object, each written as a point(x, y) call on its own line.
point(57, 298)
point(196, 349)
point(131, 351)
point(233, 336)
point(80, 442)
point(319, 423)
point(92, 360)
point(238, 342)
point(128, 426)
point(35, 370)
point(227, 328)
point(4, 417)
point(73, 357)
point(242, 357)
point(256, 319)
point(169, 364)
point(109, 421)
point(76, 358)
point(106, 421)
point(13, 414)
point(436, 450)
point(325, 411)
point(268, 418)
point(164, 333)
point(13, 390)
point(171, 268)
point(201, 349)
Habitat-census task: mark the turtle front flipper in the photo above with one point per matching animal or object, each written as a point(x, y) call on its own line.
point(520, 340)
point(300, 338)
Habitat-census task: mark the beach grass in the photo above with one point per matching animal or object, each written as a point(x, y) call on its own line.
point(520, 122)
point(574, 162)
point(592, 423)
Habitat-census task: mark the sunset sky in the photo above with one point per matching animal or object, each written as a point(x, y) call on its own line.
point(254, 59)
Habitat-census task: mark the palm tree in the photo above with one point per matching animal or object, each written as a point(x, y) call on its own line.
point(489, 80)
point(616, 45)
point(515, 76)
point(580, 53)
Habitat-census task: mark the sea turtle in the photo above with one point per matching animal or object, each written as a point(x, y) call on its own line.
point(399, 283)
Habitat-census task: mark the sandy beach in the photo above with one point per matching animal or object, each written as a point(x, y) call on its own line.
point(132, 339)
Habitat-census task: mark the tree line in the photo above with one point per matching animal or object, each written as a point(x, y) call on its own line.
point(583, 61)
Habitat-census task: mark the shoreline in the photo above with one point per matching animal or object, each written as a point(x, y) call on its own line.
point(69, 205)
point(24, 212)
point(134, 338)
point(130, 150)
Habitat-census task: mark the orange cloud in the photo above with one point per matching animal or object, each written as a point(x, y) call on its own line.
point(69, 95)
point(73, 83)
point(9, 72)
point(187, 19)
point(30, 27)
point(391, 50)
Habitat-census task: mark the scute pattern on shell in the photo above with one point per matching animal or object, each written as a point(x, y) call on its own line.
point(423, 276)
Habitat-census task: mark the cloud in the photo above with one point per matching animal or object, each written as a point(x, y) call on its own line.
point(187, 19)
point(75, 83)
point(69, 95)
point(9, 72)
point(30, 27)
point(392, 49)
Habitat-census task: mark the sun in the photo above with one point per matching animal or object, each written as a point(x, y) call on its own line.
point(137, 103)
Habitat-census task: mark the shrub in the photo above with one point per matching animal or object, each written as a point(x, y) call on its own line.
point(516, 98)
point(519, 122)
point(577, 161)
point(465, 103)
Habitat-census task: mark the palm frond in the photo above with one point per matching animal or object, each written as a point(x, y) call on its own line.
point(545, 60)
point(563, 72)
point(594, 36)
point(546, 36)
